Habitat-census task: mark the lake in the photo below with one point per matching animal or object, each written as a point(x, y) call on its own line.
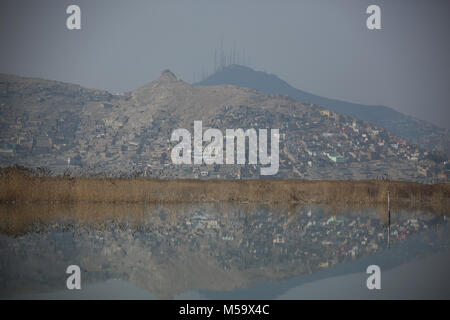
point(221, 251)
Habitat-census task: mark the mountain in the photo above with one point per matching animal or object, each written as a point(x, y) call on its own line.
point(61, 126)
point(409, 128)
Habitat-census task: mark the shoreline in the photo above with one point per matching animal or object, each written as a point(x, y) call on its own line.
point(17, 186)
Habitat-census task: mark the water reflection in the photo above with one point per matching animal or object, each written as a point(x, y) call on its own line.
point(171, 250)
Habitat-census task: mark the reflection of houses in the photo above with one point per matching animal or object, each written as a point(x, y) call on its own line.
point(202, 221)
point(211, 223)
point(262, 245)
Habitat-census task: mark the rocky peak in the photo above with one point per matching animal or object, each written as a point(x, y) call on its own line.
point(167, 76)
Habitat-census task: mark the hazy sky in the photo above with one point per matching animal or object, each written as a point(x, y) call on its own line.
point(318, 46)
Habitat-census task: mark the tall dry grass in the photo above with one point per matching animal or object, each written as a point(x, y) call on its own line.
point(20, 186)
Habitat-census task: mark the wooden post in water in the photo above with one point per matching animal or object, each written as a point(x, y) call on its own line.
point(389, 218)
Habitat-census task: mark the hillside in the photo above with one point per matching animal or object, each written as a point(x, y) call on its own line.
point(44, 123)
point(413, 130)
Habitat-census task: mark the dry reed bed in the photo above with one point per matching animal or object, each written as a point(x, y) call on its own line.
point(19, 187)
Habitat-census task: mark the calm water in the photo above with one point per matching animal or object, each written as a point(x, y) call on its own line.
point(221, 251)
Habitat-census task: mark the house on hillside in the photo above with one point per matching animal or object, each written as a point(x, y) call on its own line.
point(336, 158)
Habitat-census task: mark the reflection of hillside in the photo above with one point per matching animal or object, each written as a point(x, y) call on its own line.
point(169, 250)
